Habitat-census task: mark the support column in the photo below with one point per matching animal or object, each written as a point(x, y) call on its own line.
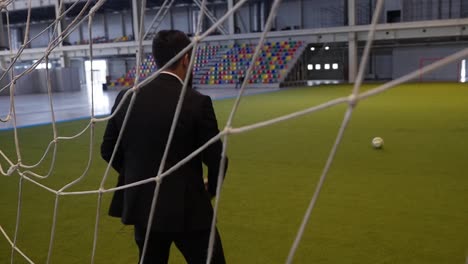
point(122, 21)
point(4, 45)
point(81, 33)
point(136, 7)
point(450, 9)
point(64, 62)
point(106, 27)
point(352, 43)
point(301, 23)
point(231, 29)
point(171, 18)
point(189, 21)
point(3, 42)
point(262, 15)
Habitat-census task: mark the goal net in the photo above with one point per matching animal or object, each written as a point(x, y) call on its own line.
point(12, 164)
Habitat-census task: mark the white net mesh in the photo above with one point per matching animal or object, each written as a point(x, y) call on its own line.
point(27, 172)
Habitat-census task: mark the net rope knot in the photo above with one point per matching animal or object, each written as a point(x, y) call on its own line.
point(228, 130)
point(353, 100)
point(4, 4)
point(158, 179)
point(12, 169)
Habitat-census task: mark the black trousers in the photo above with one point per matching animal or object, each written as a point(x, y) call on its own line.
point(193, 245)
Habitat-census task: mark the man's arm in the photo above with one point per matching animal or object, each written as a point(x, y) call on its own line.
point(211, 156)
point(110, 138)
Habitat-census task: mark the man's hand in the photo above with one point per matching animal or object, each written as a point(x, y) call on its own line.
point(206, 184)
point(206, 188)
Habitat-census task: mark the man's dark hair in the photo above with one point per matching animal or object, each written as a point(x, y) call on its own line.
point(167, 44)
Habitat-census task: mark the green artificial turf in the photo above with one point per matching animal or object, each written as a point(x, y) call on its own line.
point(406, 203)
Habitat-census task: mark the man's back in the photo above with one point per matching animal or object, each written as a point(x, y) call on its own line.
point(183, 202)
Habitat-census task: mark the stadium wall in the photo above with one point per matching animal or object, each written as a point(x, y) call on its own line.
point(385, 62)
point(115, 22)
point(406, 59)
point(118, 67)
point(74, 37)
point(310, 14)
point(43, 40)
point(78, 64)
point(149, 16)
point(381, 65)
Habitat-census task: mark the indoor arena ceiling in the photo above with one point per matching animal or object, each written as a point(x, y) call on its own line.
point(48, 13)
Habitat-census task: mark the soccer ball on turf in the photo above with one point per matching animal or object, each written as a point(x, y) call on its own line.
point(377, 142)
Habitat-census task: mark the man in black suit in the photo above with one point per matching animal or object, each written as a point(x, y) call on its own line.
point(183, 211)
point(239, 82)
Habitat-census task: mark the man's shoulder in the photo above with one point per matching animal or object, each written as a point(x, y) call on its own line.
point(122, 93)
point(198, 97)
point(160, 80)
point(197, 93)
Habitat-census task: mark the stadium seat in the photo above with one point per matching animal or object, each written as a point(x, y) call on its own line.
point(237, 59)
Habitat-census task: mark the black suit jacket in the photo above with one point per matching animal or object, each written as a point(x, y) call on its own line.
point(184, 203)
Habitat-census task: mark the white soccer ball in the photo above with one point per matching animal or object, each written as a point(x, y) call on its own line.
point(377, 142)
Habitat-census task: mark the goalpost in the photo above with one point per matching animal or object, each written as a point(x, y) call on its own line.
point(27, 172)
